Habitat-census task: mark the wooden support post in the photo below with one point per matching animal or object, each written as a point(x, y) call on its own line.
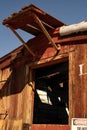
point(22, 41)
point(45, 32)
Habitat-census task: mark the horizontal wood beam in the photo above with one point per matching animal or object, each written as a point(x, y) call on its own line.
point(72, 39)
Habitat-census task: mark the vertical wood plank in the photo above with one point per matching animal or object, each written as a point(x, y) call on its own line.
point(2, 124)
point(78, 82)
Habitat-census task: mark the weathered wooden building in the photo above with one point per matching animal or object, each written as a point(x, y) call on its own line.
point(43, 83)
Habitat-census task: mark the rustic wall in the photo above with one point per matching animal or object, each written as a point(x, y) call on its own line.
point(16, 94)
point(78, 81)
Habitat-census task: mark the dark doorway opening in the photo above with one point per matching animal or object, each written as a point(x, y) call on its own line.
point(51, 94)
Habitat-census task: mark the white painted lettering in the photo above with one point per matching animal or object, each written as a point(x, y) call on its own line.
point(81, 70)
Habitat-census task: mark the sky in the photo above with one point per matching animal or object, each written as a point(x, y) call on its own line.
point(67, 11)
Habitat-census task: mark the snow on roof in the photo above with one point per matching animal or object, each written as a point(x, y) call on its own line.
point(74, 28)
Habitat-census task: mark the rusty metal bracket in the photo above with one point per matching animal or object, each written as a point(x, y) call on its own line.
point(45, 32)
point(22, 41)
point(4, 114)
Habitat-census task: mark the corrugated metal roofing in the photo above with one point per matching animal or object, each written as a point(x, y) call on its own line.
point(24, 20)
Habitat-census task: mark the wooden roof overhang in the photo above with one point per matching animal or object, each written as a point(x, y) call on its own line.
point(32, 20)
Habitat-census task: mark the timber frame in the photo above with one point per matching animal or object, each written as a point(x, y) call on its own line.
point(47, 49)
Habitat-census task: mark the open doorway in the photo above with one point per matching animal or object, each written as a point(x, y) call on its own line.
point(51, 94)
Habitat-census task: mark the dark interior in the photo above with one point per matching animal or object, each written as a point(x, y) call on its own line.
point(52, 84)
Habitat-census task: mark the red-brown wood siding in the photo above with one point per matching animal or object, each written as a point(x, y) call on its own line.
point(78, 81)
point(50, 127)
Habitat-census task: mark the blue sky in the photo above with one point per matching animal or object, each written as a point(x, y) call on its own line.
point(67, 11)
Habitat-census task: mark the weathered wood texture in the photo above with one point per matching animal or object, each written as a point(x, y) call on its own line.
point(16, 94)
point(10, 124)
point(18, 125)
point(50, 127)
point(78, 81)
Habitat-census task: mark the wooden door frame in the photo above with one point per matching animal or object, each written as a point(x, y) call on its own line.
point(35, 66)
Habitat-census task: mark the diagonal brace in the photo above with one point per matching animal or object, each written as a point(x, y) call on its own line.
point(22, 41)
point(45, 32)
